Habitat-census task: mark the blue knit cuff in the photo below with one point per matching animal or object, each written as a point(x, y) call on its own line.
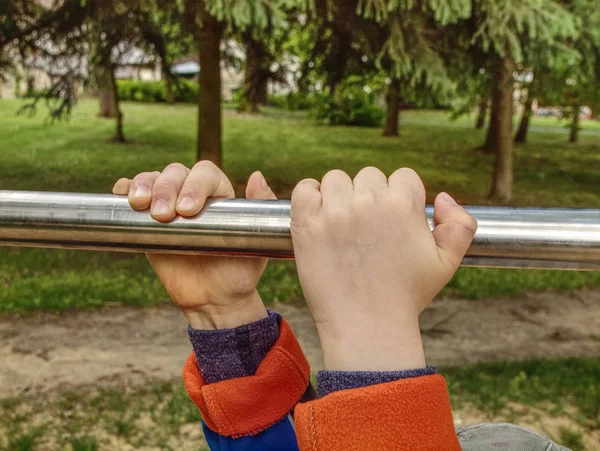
point(229, 353)
point(331, 381)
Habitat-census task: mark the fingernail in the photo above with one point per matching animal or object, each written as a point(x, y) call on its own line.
point(263, 182)
point(140, 191)
point(160, 207)
point(448, 199)
point(186, 204)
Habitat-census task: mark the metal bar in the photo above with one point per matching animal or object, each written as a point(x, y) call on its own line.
point(507, 236)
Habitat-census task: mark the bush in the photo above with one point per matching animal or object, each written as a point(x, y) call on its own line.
point(293, 101)
point(353, 107)
point(185, 91)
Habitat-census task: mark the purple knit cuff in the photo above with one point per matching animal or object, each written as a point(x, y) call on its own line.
point(330, 381)
point(229, 353)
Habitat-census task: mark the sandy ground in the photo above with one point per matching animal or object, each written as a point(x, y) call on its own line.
point(128, 346)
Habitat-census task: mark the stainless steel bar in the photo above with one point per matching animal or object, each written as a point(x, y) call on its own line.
point(507, 236)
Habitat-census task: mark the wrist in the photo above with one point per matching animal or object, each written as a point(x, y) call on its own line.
point(227, 314)
point(376, 348)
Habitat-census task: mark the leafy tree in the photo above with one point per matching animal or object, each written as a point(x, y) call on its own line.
point(211, 20)
point(82, 36)
point(504, 31)
point(117, 28)
point(581, 85)
point(411, 53)
point(266, 58)
point(392, 37)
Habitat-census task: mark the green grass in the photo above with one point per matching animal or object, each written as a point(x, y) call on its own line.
point(572, 440)
point(551, 385)
point(79, 156)
point(160, 415)
point(538, 123)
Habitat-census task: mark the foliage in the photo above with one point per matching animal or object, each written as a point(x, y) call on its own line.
point(352, 106)
point(573, 80)
point(293, 101)
point(508, 27)
point(184, 91)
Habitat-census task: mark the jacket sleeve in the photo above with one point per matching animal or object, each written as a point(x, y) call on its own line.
point(252, 412)
point(407, 414)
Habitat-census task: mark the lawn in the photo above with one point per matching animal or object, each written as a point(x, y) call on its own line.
point(79, 156)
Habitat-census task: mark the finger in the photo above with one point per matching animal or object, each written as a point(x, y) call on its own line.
point(369, 181)
point(336, 189)
point(306, 201)
point(166, 190)
point(203, 181)
point(121, 187)
point(454, 230)
point(407, 181)
point(258, 188)
point(140, 190)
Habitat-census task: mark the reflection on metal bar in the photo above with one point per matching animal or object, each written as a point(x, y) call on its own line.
point(507, 237)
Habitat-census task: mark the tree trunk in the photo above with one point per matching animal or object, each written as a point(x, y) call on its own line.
point(119, 135)
point(29, 86)
point(521, 136)
point(169, 87)
point(255, 78)
point(483, 107)
point(492, 131)
point(106, 93)
point(392, 111)
point(501, 123)
point(574, 125)
point(262, 93)
point(209, 92)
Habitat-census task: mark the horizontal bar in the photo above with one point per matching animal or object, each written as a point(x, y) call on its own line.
point(507, 236)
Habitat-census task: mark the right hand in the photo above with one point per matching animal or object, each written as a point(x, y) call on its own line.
point(213, 292)
point(369, 264)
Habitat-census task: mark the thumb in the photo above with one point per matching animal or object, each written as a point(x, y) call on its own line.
point(454, 230)
point(257, 187)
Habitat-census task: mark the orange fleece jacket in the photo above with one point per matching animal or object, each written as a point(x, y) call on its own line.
point(408, 414)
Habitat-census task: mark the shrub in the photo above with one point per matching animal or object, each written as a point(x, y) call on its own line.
point(185, 91)
point(352, 107)
point(293, 101)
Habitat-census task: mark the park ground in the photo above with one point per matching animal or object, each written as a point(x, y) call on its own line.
point(518, 346)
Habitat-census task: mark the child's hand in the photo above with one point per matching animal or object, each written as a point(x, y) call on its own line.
point(213, 292)
point(369, 264)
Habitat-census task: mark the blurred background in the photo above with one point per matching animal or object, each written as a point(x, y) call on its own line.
point(495, 102)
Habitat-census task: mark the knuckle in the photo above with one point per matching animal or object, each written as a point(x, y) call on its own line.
point(471, 223)
point(369, 170)
point(337, 215)
point(144, 179)
point(364, 200)
point(193, 188)
point(207, 165)
point(400, 200)
point(163, 190)
point(175, 166)
point(335, 173)
point(208, 168)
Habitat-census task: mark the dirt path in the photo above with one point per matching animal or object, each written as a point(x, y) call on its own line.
point(128, 346)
